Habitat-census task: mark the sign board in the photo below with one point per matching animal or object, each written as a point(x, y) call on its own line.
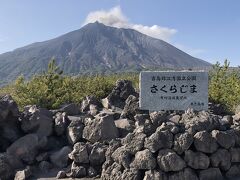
point(173, 90)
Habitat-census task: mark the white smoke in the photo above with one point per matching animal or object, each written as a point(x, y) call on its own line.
point(115, 18)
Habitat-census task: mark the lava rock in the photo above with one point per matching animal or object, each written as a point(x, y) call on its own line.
point(100, 129)
point(70, 109)
point(122, 156)
point(124, 126)
point(211, 173)
point(134, 142)
point(144, 160)
point(60, 158)
point(159, 140)
point(6, 170)
point(168, 160)
point(77, 171)
point(235, 154)
point(88, 101)
point(131, 108)
point(61, 175)
point(182, 142)
point(61, 123)
point(97, 154)
point(233, 172)
point(75, 131)
point(8, 106)
point(25, 148)
point(23, 174)
point(224, 139)
point(37, 120)
point(79, 153)
point(204, 142)
point(45, 166)
point(222, 159)
point(122, 90)
point(196, 160)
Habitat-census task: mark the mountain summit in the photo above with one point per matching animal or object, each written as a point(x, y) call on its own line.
point(96, 48)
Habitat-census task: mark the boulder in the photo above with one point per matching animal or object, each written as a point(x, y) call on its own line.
point(204, 142)
point(79, 153)
point(102, 128)
point(122, 90)
point(186, 174)
point(122, 156)
point(221, 159)
point(131, 108)
point(201, 122)
point(168, 160)
point(235, 154)
point(97, 154)
point(89, 101)
point(226, 121)
point(159, 140)
point(23, 174)
point(182, 142)
point(133, 174)
point(175, 118)
point(144, 160)
point(196, 160)
point(70, 109)
point(6, 170)
point(113, 145)
point(60, 157)
point(77, 171)
point(124, 126)
point(92, 172)
point(37, 120)
point(61, 123)
point(9, 132)
point(224, 139)
point(45, 166)
point(25, 148)
point(233, 172)
point(8, 107)
point(134, 142)
point(61, 175)
point(75, 131)
point(158, 117)
point(154, 175)
point(113, 171)
point(211, 173)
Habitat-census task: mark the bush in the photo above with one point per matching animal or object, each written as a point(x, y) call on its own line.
point(224, 86)
point(52, 89)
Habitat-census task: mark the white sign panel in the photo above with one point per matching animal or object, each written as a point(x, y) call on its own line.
point(173, 90)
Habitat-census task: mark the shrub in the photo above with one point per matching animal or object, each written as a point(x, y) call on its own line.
point(52, 89)
point(224, 86)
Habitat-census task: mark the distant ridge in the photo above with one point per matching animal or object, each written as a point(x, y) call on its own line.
point(96, 48)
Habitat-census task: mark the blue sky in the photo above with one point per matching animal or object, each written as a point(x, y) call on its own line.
point(207, 29)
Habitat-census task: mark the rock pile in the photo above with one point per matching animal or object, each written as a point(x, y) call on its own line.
point(114, 139)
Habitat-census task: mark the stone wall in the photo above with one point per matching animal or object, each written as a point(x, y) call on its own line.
point(113, 139)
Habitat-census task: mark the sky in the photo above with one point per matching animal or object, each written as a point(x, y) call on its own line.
point(206, 29)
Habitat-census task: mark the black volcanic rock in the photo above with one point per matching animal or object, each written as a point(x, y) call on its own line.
point(96, 48)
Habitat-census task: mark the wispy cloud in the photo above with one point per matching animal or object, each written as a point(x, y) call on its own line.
point(115, 17)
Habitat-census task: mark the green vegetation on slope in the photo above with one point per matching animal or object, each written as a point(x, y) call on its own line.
point(52, 88)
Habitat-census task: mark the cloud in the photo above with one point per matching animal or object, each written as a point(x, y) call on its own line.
point(115, 18)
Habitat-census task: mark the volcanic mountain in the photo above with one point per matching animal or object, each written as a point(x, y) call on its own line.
point(96, 48)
